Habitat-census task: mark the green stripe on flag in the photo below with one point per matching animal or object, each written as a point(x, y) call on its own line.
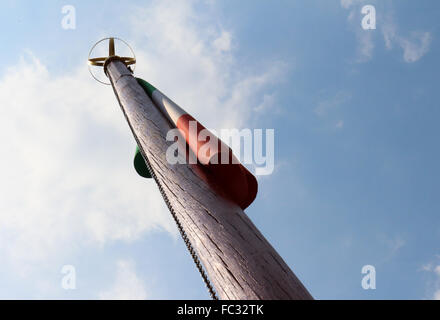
point(148, 88)
point(139, 164)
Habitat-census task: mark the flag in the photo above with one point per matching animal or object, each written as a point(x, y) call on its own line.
point(224, 171)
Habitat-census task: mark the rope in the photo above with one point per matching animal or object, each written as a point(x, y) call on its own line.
point(170, 207)
point(182, 232)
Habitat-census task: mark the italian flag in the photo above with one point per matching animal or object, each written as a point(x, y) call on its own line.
point(224, 171)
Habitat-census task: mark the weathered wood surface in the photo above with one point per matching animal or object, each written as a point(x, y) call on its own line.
point(240, 262)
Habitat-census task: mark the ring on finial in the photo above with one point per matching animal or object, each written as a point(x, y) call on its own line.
point(126, 55)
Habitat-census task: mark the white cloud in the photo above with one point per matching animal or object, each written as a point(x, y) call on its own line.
point(329, 106)
point(436, 295)
point(414, 46)
point(434, 283)
point(395, 244)
point(66, 166)
point(330, 103)
point(389, 33)
point(365, 43)
point(127, 285)
point(223, 43)
point(267, 103)
point(426, 267)
point(179, 58)
point(348, 3)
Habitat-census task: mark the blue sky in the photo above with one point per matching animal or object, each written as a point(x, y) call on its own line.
point(356, 159)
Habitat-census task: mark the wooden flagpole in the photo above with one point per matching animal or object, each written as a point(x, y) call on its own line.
point(240, 262)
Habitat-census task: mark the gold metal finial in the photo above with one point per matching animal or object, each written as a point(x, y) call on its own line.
point(100, 61)
point(111, 47)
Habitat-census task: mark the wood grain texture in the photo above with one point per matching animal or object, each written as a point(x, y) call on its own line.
point(240, 262)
